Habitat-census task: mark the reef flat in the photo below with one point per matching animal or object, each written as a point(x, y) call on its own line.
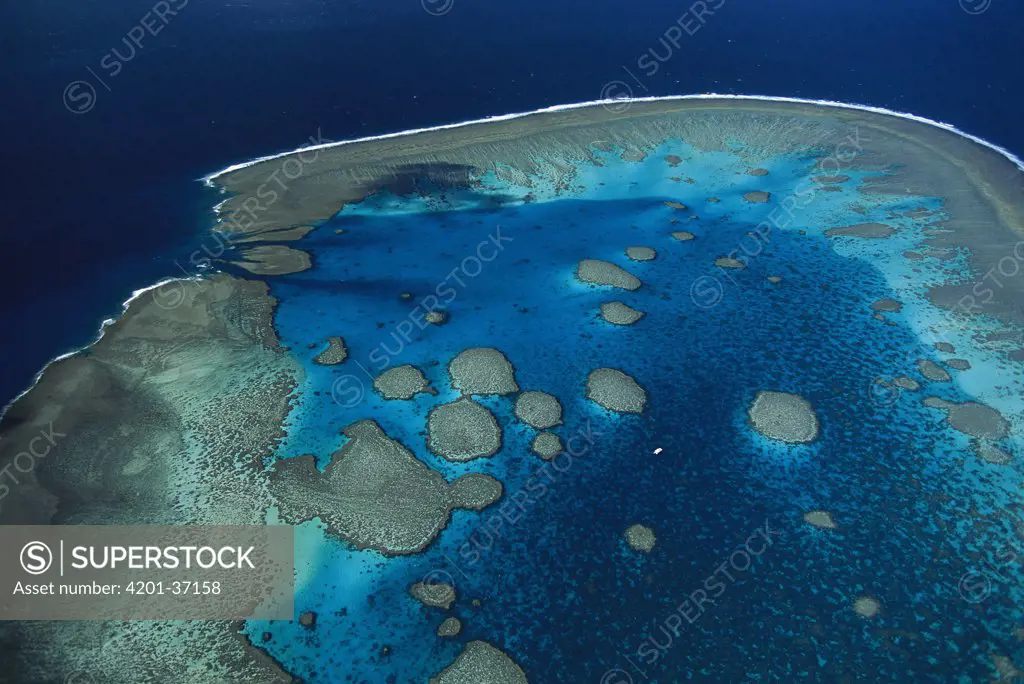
point(596, 272)
point(335, 352)
point(481, 663)
point(273, 260)
point(402, 382)
point(450, 627)
point(862, 230)
point(784, 417)
point(454, 156)
point(150, 430)
point(538, 409)
point(640, 538)
point(482, 371)
point(436, 595)
point(463, 430)
point(616, 391)
point(375, 493)
point(619, 313)
point(547, 445)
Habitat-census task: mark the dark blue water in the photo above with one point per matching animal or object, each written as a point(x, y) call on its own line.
point(100, 203)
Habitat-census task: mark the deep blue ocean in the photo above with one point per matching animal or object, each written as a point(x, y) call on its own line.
point(100, 203)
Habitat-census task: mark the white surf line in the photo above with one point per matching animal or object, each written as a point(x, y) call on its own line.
point(208, 180)
point(107, 322)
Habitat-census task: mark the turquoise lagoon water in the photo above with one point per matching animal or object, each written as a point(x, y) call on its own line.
point(556, 586)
